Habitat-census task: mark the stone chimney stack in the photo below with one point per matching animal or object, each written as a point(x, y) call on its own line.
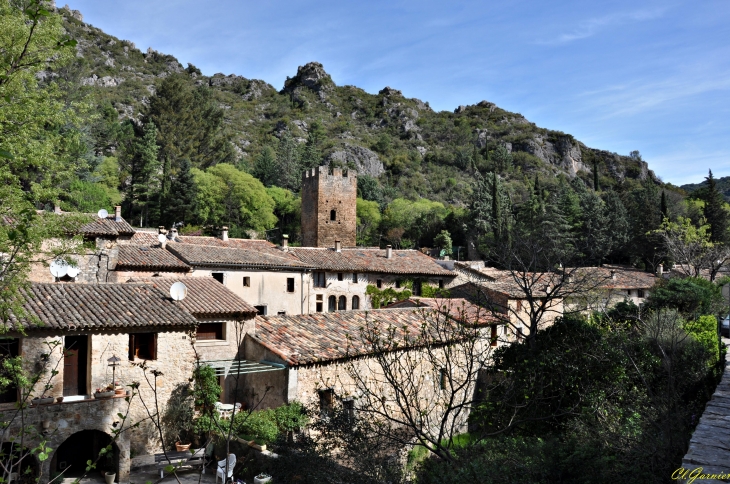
point(613, 275)
point(338, 246)
point(660, 270)
point(388, 251)
point(161, 231)
point(224, 234)
point(284, 242)
point(172, 234)
point(118, 213)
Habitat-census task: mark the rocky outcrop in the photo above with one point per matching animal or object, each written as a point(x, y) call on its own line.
point(312, 76)
point(106, 81)
point(365, 161)
point(559, 150)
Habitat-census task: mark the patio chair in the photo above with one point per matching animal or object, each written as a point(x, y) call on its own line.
point(221, 470)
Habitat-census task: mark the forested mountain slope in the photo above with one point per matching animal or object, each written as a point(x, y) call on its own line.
point(412, 150)
point(723, 185)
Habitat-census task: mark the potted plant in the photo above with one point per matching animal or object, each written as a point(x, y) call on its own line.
point(118, 388)
point(105, 392)
point(262, 478)
point(109, 477)
point(42, 400)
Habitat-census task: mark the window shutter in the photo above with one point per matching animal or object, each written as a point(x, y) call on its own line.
point(131, 347)
point(153, 346)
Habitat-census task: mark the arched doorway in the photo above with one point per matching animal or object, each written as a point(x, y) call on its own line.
point(81, 447)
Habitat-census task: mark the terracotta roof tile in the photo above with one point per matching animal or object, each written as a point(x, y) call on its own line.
point(232, 243)
point(146, 258)
point(206, 297)
point(203, 255)
point(107, 226)
point(618, 277)
point(410, 262)
point(459, 309)
point(92, 307)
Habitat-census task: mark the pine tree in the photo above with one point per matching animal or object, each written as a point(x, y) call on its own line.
point(663, 205)
point(265, 167)
point(145, 178)
point(496, 222)
point(596, 185)
point(179, 205)
point(288, 165)
point(715, 212)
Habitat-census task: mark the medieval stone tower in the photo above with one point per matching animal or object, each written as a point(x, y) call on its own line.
point(329, 207)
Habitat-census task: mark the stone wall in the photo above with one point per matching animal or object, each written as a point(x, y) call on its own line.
point(323, 194)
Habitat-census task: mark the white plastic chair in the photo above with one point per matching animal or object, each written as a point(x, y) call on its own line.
point(221, 470)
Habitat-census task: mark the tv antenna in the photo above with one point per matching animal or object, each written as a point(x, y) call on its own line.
point(178, 291)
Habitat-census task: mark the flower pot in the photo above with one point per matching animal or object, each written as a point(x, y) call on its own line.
point(119, 391)
point(42, 401)
point(262, 479)
point(59, 399)
point(104, 394)
point(109, 477)
point(182, 447)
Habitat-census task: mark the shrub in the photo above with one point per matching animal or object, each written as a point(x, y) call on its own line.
point(259, 426)
point(704, 330)
point(291, 417)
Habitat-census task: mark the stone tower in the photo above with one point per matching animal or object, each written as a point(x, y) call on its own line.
point(329, 207)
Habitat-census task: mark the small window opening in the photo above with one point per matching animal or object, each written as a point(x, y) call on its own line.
point(379, 283)
point(218, 276)
point(332, 304)
point(261, 310)
point(289, 284)
point(494, 335)
point(441, 283)
point(354, 277)
point(339, 276)
point(326, 401)
point(319, 279)
point(333, 214)
point(246, 281)
point(209, 331)
point(143, 346)
point(355, 302)
point(342, 304)
point(442, 379)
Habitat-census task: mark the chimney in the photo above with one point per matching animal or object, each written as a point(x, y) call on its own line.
point(388, 251)
point(338, 246)
point(161, 229)
point(172, 234)
point(284, 242)
point(224, 234)
point(613, 275)
point(660, 270)
point(57, 208)
point(118, 213)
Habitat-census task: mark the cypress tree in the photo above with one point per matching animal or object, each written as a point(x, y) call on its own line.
point(538, 191)
point(715, 212)
point(664, 208)
point(496, 224)
point(180, 202)
point(596, 185)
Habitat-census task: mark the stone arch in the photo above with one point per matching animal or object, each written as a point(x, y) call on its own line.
point(82, 446)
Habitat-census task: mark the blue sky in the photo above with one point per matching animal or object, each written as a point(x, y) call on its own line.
point(620, 76)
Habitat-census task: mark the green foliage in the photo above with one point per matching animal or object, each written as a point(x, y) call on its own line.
point(443, 241)
point(368, 222)
point(692, 296)
point(715, 212)
point(206, 390)
point(383, 297)
point(259, 425)
point(291, 417)
point(228, 196)
point(704, 330)
point(86, 197)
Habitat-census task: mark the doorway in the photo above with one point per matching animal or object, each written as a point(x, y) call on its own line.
point(75, 356)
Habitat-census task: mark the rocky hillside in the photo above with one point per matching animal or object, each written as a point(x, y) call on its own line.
point(411, 149)
point(723, 184)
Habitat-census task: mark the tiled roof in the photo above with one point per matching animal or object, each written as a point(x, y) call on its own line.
point(407, 262)
point(141, 237)
point(203, 255)
point(107, 226)
point(206, 297)
point(459, 309)
point(616, 277)
point(89, 307)
point(233, 243)
point(320, 337)
point(146, 258)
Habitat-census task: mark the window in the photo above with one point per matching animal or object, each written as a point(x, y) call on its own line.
point(354, 277)
point(246, 281)
point(209, 331)
point(261, 310)
point(519, 304)
point(628, 291)
point(442, 379)
point(348, 405)
point(417, 284)
point(640, 293)
point(218, 276)
point(319, 279)
point(320, 304)
point(441, 283)
point(397, 284)
point(9, 348)
point(494, 334)
point(339, 276)
point(342, 304)
point(143, 346)
point(355, 302)
point(332, 304)
point(289, 284)
point(281, 313)
point(326, 401)
point(379, 283)
point(333, 214)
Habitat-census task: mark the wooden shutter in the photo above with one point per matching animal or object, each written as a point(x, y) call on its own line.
point(153, 346)
point(131, 347)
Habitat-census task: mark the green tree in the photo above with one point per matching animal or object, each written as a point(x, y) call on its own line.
point(265, 167)
point(288, 209)
point(368, 221)
point(691, 296)
point(288, 163)
point(179, 205)
point(715, 212)
point(228, 196)
point(145, 189)
point(443, 242)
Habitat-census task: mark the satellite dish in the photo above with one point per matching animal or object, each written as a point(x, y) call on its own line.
point(102, 213)
point(178, 291)
point(72, 271)
point(59, 268)
point(161, 238)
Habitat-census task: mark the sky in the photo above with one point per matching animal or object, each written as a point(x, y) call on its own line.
point(652, 76)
